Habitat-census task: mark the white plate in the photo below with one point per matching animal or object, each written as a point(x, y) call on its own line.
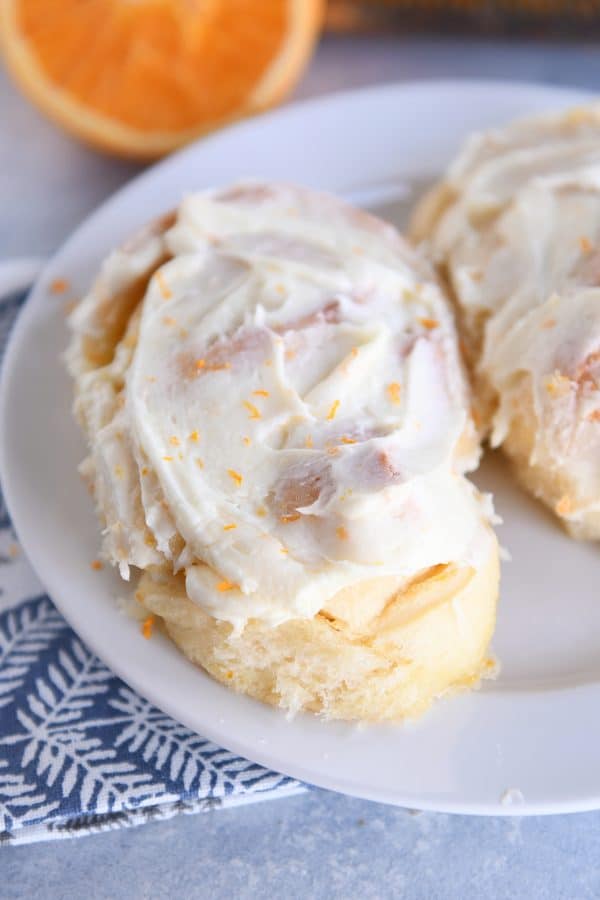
point(529, 742)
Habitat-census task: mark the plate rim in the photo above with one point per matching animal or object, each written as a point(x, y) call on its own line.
point(28, 313)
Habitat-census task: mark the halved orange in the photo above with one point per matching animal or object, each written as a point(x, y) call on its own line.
point(141, 77)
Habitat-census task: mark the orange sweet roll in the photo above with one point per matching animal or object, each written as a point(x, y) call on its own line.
point(518, 236)
point(298, 424)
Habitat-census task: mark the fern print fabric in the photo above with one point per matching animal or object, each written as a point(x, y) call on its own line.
point(79, 750)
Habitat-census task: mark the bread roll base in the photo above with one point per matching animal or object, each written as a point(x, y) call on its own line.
point(431, 638)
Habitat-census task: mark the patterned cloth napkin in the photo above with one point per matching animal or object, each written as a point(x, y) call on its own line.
point(79, 750)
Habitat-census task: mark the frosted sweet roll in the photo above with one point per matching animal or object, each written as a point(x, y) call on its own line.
point(278, 429)
point(515, 229)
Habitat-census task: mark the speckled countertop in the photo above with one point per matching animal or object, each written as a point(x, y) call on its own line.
point(316, 845)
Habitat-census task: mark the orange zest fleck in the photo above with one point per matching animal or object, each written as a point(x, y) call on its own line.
point(293, 517)
point(290, 354)
point(229, 527)
point(585, 244)
point(268, 362)
point(174, 441)
point(261, 511)
point(218, 367)
point(118, 471)
point(252, 409)
point(96, 565)
point(354, 351)
point(246, 440)
point(59, 286)
point(594, 416)
point(563, 507)
point(341, 533)
point(284, 550)
point(333, 410)
point(428, 323)
point(230, 675)
point(347, 440)
point(393, 391)
point(260, 393)
point(226, 586)
point(333, 451)
point(168, 458)
point(147, 626)
point(200, 364)
point(308, 442)
point(280, 289)
point(549, 323)
point(169, 320)
point(194, 436)
point(163, 287)
point(235, 476)
point(145, 470)
point(199, 462)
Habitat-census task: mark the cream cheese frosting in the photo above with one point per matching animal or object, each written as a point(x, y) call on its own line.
point(285, 414)
point(516, 225)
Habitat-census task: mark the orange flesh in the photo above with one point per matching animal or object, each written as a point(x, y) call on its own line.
point(155, 65)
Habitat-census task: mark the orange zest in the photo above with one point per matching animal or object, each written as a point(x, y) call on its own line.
point(59, 286)
point(147, 626)
point(333, 410)
point(564, 506)
point(235, 476)
point(226, 586)
point(393, 391)
point(252, 409)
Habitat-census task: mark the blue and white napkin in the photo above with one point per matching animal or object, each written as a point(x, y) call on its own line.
point(79, 750)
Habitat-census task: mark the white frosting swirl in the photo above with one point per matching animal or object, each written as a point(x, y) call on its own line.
point(293, 418)
point(516, 223)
